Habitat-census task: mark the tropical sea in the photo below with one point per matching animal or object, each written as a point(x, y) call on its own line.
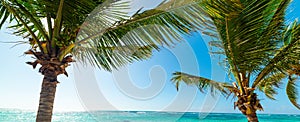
point(13, 115)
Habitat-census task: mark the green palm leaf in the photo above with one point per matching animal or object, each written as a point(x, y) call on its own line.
point(246, 37)
point(200, 82)
point(113, 57)
point(287, 55)
point(292, 91)
point(4, 15)
point(150, 27)
point(271, 82)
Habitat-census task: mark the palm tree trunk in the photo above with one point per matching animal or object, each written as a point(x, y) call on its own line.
point(250, 113)
point(252, 117)
point(47, 99)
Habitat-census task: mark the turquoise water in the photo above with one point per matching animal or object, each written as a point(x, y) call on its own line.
point(133, 116)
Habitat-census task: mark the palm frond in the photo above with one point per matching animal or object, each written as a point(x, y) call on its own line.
point(106, 15)
point(200, 82)
point(286, 56)
point(291, 61)
point(24, 21)
point(113, 57)
point(292, 91)
point(73, 13)
point(29, 11)
point(150, 27)
point(20, 30)
point(268, 84)
point(248, 30)
point(4, 14)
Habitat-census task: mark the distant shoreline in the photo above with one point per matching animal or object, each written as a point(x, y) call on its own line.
point(136, 111)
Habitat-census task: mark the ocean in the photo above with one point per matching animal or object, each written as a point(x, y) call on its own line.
point(9, 115)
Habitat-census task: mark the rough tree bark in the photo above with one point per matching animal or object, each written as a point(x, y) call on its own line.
point(47, 96)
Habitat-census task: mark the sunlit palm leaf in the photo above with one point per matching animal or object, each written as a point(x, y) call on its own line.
point(250, 34)
point(287, 55)
point(150, 27)
point(113, 57)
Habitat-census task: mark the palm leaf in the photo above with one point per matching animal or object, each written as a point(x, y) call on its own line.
point(4, 15)
point(286, 56)
point(150, 27)
point(200, 82)
point(292, 92)
point(29, 11)
point(268, 84)
point(250, 25)
point(113, 57)
point(291, 61)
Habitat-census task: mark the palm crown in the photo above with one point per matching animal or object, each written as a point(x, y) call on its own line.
point(259, 49)
point(106, 37)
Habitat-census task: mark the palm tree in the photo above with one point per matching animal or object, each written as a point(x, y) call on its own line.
point(260, 51)
point(108, 39)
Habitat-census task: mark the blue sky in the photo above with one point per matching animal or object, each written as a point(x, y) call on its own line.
point(140, 86)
